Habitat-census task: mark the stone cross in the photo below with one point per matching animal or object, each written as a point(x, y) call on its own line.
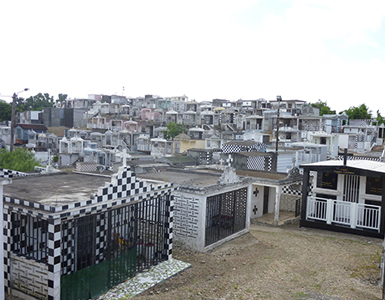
point(124, 157)
point(229, 160)
point(221, 161)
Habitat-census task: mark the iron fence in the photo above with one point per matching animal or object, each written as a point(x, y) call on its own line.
point(112, 246)
point(225, 215)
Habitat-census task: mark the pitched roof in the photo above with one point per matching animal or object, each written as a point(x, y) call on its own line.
point(33, 126)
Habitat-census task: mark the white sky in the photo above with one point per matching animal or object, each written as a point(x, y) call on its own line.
point(333, 50)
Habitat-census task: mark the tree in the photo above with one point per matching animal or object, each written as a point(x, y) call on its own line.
point(62, 98)
point(324, 109)
point(38, 102)
point(5, 111)
point(173, 129)
point(380, 119)
point(361, 112)
point(18, 160)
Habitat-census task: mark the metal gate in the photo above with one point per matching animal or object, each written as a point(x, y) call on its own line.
point(351, 188)
point(225, 215)
point(101, 251)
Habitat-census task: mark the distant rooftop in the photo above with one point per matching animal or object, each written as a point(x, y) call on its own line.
point(33, 126)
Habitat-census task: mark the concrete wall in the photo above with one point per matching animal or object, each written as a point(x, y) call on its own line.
point(285, 161)
point(29, 276)
point(189, 212)
point(272, 193)
point(52, 117)
point(256, 201)
point(68, 117)
point(239, 161)
point(78, 119)
point(288, 202)
point(185, 145)
point(68, 159)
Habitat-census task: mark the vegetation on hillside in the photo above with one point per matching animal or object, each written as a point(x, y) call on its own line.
point(173, 129)
point(18, 160)
point(324, 109)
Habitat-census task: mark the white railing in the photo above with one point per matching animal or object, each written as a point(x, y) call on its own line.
point(368, 216)
point(342, 212)
point(316, 208)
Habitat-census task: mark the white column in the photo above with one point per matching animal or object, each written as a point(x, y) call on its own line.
point(340, 186)
point(362, 189)
point(3, 181)
point(329, 211)
point(353, 215)
point(277, 202)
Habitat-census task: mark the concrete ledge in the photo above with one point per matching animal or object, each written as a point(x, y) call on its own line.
point(143, 281)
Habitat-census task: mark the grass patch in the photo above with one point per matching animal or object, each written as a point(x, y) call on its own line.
point(357, 242)
point(300, 295)
point(369, 269)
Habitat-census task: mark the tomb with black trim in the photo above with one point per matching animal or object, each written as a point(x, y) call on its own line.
point(345, 196)
point(74, 236)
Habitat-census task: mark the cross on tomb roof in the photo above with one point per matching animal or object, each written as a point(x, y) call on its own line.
point(229, 160)
point(124, 155)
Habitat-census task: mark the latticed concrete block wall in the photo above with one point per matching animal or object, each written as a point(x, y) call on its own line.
point(86, 166)
point(29, 276)
point(288, 202)
point(311, 125)
point(187, 211)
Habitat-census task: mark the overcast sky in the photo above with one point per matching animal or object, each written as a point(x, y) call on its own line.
point(333, 50)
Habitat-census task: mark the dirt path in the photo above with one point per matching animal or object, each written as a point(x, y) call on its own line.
point(279, 263)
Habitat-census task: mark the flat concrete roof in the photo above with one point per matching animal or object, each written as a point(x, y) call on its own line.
point(367, 165)
point(245, 173)
point(263, 175)
point(55, 189)
point(182, 178)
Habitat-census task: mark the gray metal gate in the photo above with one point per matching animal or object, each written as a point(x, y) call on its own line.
point(225, 215)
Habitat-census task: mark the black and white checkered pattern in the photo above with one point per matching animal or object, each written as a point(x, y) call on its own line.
point(123, 189)
point(256, 163)
point(10, 173)
point(288, 189)
point(235, 148)
point(7, 251)
point(86, 166)
point(169, 227)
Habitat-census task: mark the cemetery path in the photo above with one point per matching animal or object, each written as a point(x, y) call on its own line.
point(285, 262)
